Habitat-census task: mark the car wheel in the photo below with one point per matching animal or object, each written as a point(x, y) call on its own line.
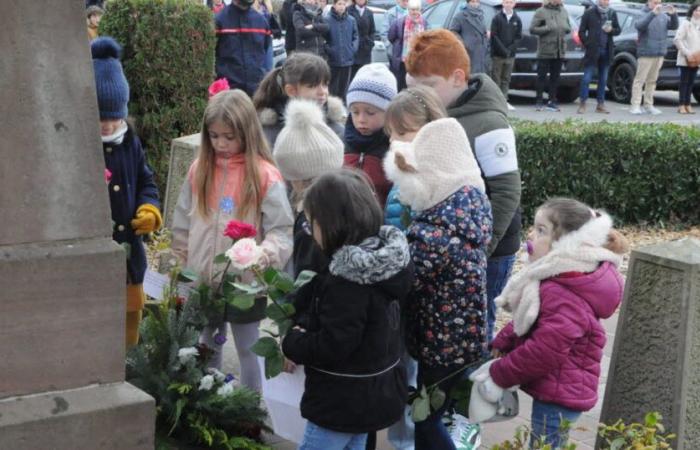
point(567, 94)
point(621, 82)
point(696, 93)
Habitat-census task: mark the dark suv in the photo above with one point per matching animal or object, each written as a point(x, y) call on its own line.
point(624, 64)
point(440, 15)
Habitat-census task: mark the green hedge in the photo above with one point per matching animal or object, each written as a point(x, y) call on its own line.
point(640, 173)
point(169, 62)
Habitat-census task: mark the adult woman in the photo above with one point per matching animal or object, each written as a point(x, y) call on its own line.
point(687, 42)
point(470, 26)
point(401, 34)
point(366, 28)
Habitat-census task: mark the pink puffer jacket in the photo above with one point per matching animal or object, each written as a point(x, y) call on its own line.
point(558, 361)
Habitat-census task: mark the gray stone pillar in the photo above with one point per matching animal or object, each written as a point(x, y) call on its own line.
point(183, 151)
point(62, 278)
point(656, 357)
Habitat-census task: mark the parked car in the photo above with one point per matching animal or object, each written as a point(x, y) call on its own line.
point(440, 15)
point(624, 64)
point(379, 51)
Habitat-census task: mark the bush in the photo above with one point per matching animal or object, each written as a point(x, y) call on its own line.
point(169, 61)
point(640, 173)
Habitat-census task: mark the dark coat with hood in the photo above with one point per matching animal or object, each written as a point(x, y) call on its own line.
point(366, 30)
point(469, 25)
point(311, 40)
point(352, 345)
point(551, 25)
point(590, 32)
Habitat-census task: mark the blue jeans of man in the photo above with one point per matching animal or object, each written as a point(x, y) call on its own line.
point(601, 66)
point(546, 421)
point(498, 271)
point(319, 438)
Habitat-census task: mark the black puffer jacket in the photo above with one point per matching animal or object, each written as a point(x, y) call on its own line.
point(312, 40)
point(352, 345)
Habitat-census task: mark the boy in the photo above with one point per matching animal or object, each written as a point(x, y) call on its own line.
point(343, 42)
point(94, 15)
point(506, 31)
point(439, 60)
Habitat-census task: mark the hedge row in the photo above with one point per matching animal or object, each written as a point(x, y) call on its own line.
point(640, 173)
point(169, 62)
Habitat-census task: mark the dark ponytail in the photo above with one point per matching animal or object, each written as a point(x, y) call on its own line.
point(270, 93)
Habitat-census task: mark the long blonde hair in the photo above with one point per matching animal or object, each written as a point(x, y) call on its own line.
point(235, 109)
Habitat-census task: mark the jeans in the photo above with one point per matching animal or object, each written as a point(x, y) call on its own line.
point(319, 438)
point(602, 68)
point(501, 68)
point(498, 271)
point(553, 67)
point(401, 435)
point(686, 85)
point(545, 421)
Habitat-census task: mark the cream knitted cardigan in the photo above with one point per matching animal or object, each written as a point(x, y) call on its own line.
point(687, 41)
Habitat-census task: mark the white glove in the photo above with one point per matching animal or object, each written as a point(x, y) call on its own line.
point(490, 390)
point(482, 373)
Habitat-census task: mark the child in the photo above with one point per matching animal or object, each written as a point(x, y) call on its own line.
point(343, 42)
point(303, 75)
point(217, 6)
point(305, 149)
point(94, 15)
point(347, 330)
point(233, 177)
point(366, 143)
point(133, 195)
point(554, 344)
point(310, 28)
point(448, 237)
point(439, 60)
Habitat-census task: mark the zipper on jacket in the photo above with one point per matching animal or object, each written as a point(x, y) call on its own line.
point(361, 161)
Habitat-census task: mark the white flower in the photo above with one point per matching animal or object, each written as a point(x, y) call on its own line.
point(186, 354)
point(244, 254)
point(206, 383)
point(225, 390)
point(218, 376)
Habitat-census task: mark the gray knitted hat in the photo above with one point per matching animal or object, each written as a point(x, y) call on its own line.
point(373, 84)
point(306, 147)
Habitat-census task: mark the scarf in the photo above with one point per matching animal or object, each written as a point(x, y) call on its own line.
point(376, 144)
point(118, 137)
point(311, 9)
point(410, 29)
point(579, 251)
point(602, 10)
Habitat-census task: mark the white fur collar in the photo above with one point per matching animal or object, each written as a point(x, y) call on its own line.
point(580, 251)
point(335, 112)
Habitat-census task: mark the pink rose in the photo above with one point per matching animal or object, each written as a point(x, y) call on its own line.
point(219, 85)
point(244, 254)
point(108, 176)
point(236, 230)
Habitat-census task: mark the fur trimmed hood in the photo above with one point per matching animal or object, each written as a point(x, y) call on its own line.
point(334, 110)
point(376, 259)
point(579, 251)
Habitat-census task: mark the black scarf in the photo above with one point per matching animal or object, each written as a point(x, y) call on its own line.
point(376, 144)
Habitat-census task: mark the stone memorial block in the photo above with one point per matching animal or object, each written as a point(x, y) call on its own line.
point(182, 152)
point(656, 357)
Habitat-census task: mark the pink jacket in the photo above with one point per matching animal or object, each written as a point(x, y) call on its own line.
point(558, 361)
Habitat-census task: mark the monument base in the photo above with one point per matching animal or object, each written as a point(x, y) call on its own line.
point(113, 416)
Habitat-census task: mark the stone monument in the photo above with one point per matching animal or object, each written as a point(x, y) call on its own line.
point(656, 357)
point(182, 152)
point(62, 302)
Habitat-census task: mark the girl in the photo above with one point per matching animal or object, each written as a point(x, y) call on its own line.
point(554, 345)
point(448, 236)
point(303, 75)
point(687, 42)
point(401, 35)
point(305, 149)
point(348, 318)
point(365, 141)
point(233, 177)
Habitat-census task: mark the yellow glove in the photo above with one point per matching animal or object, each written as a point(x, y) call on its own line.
point(148, 219)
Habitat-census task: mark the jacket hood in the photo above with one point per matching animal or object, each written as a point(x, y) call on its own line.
point(481, 95)
point(377, 260)
point(334, 109)
point(601, 289)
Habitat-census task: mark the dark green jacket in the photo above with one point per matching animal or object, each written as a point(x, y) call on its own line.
point(551, 25)
point(483, 113)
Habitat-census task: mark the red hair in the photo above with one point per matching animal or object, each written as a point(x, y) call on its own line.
point(437, 52)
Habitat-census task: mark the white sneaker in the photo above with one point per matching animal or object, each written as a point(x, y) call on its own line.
point(465, 435)
point(636, 110)
point(510, 107)
point(653, 111)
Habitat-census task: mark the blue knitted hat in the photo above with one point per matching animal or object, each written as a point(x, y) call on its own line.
point(373, 84)
point(112, 87)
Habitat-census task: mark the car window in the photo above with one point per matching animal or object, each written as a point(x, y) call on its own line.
point(437, 15)
point(629, 24)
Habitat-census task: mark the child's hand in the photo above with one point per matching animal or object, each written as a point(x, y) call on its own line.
point(299, 329)
point(289, 366)
point(148, 220)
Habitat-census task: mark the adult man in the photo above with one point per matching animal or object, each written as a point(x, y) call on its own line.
point(243, 37)
point(653, 29)
point(470, 26)
point(506, 31)
point(438, 60)
point(598, 26)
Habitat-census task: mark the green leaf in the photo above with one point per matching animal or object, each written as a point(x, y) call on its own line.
point(221, 258)
point(187, 275)
point(437, 398)
point(279, 312)
point(651, 419)
point(249, 289)
point(179, 405)
point(243, 302)
point(304, 277)
point(617, 443)
point(284, 326)
point(274, 365)
point(265, 347)
point(420, 408)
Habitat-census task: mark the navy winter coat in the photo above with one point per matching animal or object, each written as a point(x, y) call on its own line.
point(131, 186)
point(367, 31)
point(243, 37)
point(343, 39)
